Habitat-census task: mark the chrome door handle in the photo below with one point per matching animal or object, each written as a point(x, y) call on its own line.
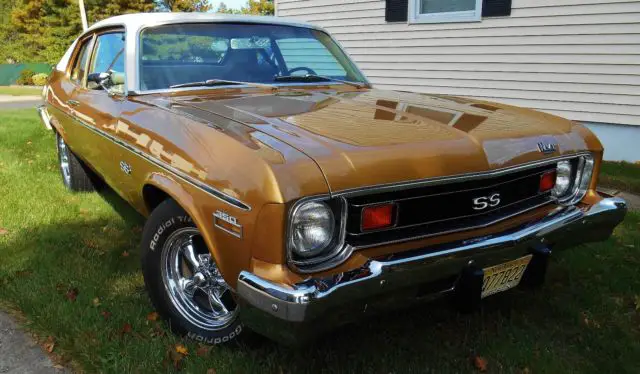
point(73, 102)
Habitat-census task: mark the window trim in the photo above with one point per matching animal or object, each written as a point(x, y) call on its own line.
point(89, 40)
point(414, 15)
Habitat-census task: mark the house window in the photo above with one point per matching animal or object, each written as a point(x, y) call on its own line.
point(435, 11)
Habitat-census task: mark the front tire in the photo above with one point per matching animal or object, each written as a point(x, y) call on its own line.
point(75, 175)
point(183, 280)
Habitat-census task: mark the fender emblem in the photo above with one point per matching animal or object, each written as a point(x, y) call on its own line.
point(227, 223)
point(126, 168)
point(547, 148)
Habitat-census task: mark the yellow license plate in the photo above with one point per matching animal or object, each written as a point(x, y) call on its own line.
point(504, 276)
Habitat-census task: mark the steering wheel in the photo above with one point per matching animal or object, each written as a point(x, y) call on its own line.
point(302, 68)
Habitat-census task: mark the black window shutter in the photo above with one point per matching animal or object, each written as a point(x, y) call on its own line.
point(396, 10)
point(496, 8)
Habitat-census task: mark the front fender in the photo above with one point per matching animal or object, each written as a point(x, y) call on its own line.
point(232, 254)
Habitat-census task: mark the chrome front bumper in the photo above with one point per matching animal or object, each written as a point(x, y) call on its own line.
point(44, 116)
point(306, 309)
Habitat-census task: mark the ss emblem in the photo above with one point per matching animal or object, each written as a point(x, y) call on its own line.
point(126, 168)
point(484, 202)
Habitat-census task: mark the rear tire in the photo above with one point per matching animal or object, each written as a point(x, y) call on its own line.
point(183, 280)
point(75, 175)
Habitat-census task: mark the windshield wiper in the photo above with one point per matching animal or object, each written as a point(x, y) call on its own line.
point(220, 82)
point(314, 78)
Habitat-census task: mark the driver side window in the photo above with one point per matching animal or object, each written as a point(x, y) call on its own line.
point(109, 58)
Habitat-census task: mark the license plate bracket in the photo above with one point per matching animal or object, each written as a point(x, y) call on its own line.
point(504, 276)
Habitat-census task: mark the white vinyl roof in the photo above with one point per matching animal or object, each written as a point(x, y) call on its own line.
point(134, 22)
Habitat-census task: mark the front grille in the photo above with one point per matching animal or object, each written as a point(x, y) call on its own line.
point(437, 209)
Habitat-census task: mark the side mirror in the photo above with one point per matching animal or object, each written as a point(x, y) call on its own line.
point(117, 78)
point(105, 80)
point(98, 78)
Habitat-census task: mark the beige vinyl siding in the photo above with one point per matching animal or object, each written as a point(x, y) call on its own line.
point(311, 54)
point(576, 58)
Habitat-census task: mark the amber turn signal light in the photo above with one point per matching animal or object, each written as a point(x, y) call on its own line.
point(547, 181)
point(378, 217)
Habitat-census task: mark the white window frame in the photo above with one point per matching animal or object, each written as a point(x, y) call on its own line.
point(464, 16)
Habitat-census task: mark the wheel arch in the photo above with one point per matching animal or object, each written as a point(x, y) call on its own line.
point(153, 196)
point(160, 187)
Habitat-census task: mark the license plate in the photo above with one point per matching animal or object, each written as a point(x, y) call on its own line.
point(504, 276)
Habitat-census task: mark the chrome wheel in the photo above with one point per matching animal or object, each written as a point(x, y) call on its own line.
point(63, 153)
point(194, 283)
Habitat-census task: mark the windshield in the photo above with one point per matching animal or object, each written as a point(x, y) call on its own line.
point(182, 53)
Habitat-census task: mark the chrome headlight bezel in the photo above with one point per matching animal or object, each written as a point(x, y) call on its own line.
point(580, 179)
point(331, 255)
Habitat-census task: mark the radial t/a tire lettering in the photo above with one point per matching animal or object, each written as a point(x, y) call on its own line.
point(183, 280)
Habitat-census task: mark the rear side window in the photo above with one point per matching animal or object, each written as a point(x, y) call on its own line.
point(78, 71)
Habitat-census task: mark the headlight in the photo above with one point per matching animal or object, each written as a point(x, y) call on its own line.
point(312, 229)
point(563, 179)
point(573, 178)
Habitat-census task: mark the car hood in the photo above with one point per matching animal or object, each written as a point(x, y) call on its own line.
point(372, 137)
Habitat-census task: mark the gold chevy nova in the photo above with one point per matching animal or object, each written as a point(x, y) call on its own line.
point(285, 194)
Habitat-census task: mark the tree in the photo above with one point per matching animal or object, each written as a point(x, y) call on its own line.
point(98, 10)
point(42, 30)
point(259, 7)
point(6, 35)
point(183, 5)
point(6, 6)
point(223, 8)
point(253, 7)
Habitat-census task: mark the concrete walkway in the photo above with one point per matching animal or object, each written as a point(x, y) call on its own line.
point(19, 354)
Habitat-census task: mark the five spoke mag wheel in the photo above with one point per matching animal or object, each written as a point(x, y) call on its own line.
point(183, 279)
point(63, 156)
point(75, 175)
point(194, 282)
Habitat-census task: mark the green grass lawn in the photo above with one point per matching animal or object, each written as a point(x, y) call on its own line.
point(623, 176)
point(20, 91)
point(54, 243)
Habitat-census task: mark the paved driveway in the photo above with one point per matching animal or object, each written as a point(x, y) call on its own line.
point(18, 353)
point(19, 102)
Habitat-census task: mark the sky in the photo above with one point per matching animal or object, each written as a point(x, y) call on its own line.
point(236, 4)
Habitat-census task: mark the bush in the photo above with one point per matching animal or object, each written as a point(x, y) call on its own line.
point(26, 77)
point(40, 79)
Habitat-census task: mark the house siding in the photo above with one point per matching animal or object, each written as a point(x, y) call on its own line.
point(579, 59)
